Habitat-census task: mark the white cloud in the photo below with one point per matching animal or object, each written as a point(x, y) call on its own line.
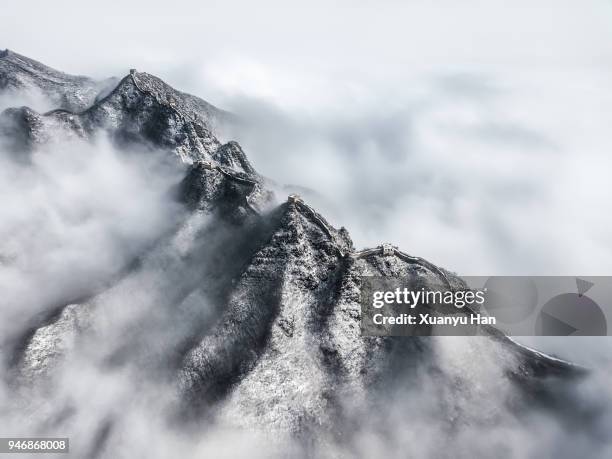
point(72, 217)
point(473, 133)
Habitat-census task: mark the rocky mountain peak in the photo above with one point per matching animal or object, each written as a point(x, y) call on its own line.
point(256, 296)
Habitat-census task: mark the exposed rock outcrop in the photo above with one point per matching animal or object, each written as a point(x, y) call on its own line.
point(256, 304)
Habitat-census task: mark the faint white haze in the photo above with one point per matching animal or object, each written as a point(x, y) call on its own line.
point(81, 210)
point(473, 133)
point(476, 131)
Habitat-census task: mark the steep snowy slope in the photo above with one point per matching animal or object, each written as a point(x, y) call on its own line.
point(250, 308)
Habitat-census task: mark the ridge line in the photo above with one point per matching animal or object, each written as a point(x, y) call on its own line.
point(319, 220)
point(386, 249)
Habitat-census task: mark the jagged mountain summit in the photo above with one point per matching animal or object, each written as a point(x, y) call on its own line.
point(69, 92)
point(250, 308)
point(139, 106)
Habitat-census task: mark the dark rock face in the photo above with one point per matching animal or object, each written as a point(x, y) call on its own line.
point(141, 109)
point(231, 156)
point(282, 348)
point(69, 92)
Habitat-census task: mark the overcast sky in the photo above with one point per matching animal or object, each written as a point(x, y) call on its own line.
point(362, 39)
point(474, 133)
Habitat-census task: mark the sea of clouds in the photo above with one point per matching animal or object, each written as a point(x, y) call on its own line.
point(473, 134)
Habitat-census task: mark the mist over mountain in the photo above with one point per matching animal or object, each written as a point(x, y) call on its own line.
point(162, 298)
